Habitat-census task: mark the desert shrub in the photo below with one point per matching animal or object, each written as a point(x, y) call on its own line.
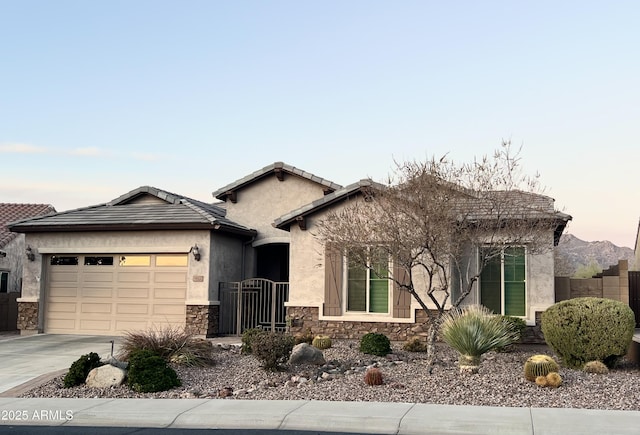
point(321, 342)
point(248, 337)
point(474, 331)
point(304, 337)
point(596, 367)
point(414, 344)
point(518, 325)
point(588, 329)
point(272, 348)
point(374, 343)
point(373, 376)
point(149, 372)
point(172, 343)
point(80, 368)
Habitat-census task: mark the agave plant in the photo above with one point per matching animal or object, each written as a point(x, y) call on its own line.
point(474, 331)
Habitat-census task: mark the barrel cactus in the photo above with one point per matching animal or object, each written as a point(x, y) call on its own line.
point(554, 380)
point(595, 367)
point(321, 342)
point(541, 381)
point(539, 365)
point(373, 376)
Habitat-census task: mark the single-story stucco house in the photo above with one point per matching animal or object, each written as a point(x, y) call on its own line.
point(152, 258)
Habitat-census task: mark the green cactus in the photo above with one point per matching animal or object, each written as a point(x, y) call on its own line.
point(554, 380)
point(595, 367)
point(539, 365)
point(321, 342)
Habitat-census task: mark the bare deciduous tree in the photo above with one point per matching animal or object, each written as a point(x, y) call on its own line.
point(441, 223)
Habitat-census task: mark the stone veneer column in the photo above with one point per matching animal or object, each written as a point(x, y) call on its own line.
point(202, 320)
point(28, 317)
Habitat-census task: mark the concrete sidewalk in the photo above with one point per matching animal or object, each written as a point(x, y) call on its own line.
point(355, 417)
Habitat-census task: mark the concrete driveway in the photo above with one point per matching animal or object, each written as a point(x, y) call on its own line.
point(26, 358)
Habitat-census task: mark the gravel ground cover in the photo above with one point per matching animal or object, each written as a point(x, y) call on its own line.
point(406, 379)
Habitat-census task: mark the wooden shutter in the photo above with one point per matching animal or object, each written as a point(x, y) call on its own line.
point(332, 281)
point(401, 297)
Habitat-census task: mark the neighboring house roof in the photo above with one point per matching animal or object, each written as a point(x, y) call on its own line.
point(279, 169)
point(532, 205)
point(13, 212)
point(124, 213)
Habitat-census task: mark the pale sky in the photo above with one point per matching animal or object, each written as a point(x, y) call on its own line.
point(98, 98)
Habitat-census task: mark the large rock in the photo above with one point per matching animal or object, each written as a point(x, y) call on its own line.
point(304, 354)
point(105, 376)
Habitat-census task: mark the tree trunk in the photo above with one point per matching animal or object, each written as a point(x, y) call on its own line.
point(431, 346)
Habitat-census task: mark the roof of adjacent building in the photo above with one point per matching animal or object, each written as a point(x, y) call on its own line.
point(10, 212)
point(124, 213)
point(275, 168)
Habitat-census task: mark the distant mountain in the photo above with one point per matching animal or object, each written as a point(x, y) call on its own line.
point(573, 253)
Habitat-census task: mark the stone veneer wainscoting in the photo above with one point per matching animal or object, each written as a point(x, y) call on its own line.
point(303, 318)
point(28, 317)
point(202, 320)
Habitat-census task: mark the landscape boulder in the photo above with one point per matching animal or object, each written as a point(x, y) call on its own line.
point(105, 376)
point(303, 353)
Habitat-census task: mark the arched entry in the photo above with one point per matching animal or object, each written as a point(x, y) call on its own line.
point(273, 262)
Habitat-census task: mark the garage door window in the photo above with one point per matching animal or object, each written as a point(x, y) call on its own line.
point(57, 260)
point(171, 260)
point(98, 261)
point(135, 260)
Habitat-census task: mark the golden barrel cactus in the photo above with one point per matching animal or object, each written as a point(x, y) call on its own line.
point(539, 365)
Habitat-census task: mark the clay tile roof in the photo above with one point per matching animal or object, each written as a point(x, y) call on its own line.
point(15, 212)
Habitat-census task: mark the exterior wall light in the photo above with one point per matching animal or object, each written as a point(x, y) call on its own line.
point(196, 252)
point(31, 256)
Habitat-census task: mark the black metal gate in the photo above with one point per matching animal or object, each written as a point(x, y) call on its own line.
point(252, 303)
point(634, 294)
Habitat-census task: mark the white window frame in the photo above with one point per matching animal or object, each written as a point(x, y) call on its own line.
point(345, 291)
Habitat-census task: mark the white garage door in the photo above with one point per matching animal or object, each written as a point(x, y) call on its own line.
point(112, 294)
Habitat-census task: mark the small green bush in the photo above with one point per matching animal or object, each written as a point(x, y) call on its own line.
point(374, 343)
point(149, 373)
point(272, 348)
point(248, 337)
point(414, 344)
point(80, 368)
point(587, 329)
point(516, 324)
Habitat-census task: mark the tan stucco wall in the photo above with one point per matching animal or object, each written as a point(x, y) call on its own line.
point(306, 275)
point(120, 242)
point(261, 202)
point(12, 262)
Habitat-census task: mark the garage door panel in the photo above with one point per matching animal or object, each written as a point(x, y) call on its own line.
point(89, 277)
point(132, 309)
point(97, 292)
point(64, 277)
point(130, 325)
point(95, 325)
point(63, 292)
point(170, 293)
point(171, 277)
point(62, 307)
point(95, 308)
point(108, 300)
point(134, 277)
